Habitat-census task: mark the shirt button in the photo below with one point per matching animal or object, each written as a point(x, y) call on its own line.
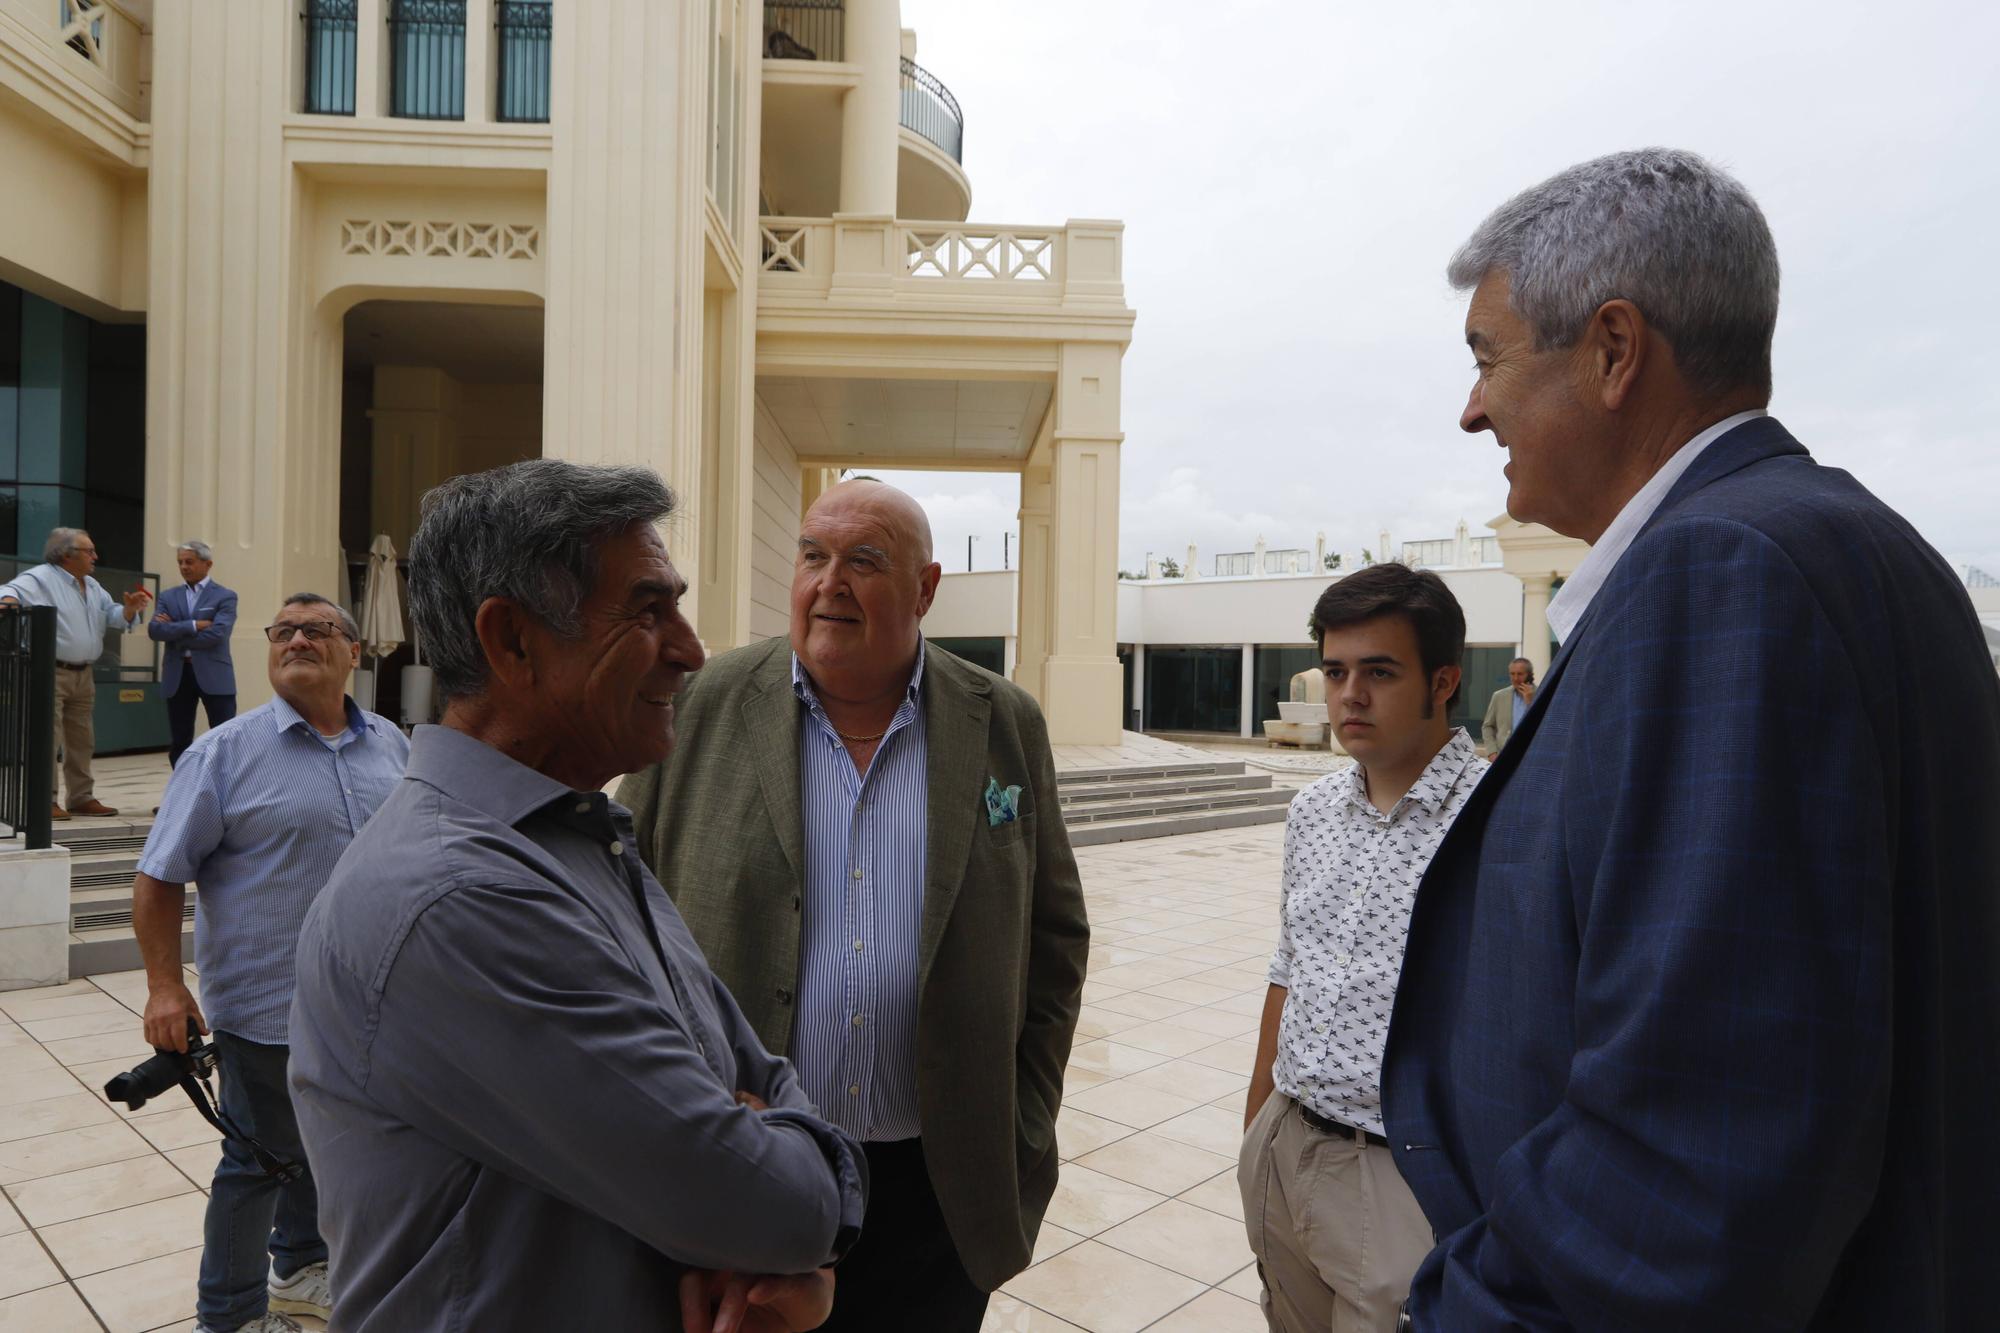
point(857, 872)
point(618, 849)
point(857, 946)
point(857, 1020)
point(854, 1089)
point(583, 807)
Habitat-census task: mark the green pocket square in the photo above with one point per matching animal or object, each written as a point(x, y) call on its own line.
point(1003, 804)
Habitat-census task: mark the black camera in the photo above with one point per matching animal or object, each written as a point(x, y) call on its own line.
point(164, 1071)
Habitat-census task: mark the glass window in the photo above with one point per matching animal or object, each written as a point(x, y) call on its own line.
point(427, 48)
point(1194, 689)
point(10, 384)
point(1485, 671)
point(990, 653)
point(526, 28)
point(330, 46)
point(724, 112)
point(1276, 665)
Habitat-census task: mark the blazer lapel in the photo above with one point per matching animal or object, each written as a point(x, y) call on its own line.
point(957, 707)
point(771, 720)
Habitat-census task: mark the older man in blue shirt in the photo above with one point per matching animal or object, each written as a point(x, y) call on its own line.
point(531, 1102)
point(85, 613)
point(257, 813)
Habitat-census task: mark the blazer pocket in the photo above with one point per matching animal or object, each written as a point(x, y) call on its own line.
point(1013, 831)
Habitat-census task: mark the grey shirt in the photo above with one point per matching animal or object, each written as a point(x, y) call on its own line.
point(516, 1088)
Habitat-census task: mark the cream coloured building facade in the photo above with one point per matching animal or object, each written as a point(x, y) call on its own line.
point(368, 244)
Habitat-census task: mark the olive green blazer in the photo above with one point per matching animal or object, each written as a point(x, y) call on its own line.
point(1003, 940)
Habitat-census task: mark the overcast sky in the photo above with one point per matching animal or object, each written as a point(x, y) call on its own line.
point(1293, 177)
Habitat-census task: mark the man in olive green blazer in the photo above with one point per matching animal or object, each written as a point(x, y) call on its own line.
point(1000, 933)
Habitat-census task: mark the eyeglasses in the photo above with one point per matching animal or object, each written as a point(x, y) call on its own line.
point(317, 631)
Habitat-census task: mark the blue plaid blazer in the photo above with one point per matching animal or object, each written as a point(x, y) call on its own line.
point(1699, 1021)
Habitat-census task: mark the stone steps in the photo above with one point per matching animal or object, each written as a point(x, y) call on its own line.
point(104, 854)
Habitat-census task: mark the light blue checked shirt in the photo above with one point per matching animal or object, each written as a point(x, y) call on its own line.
point(84, 615)
point(256, 814)
point(855, 1040)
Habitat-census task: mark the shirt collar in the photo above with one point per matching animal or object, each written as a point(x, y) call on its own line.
point(1432, 787)
point(1566, 608)
point(288, 717)
point(194, 589)
point(473, 772)
point(802, 686)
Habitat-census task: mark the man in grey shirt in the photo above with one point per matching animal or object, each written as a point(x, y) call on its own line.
point(528, 1101)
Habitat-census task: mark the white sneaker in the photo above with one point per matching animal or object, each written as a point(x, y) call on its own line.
point(304, 1292)
point(270, 1323)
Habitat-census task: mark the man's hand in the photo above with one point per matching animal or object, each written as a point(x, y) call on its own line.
point(203, 624)
point(168, 1009)
point(135, 602)
point(161, 617)
point(725, 1302)
point(751, 1100)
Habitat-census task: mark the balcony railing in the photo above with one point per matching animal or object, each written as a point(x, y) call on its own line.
point(526, 27)
point(812, 258)
point(427, 59)
point(805, 29)
point(929, 109)
point(330, 48)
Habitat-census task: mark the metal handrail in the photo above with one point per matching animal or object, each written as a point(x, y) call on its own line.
point(427, 59)
point(331, 37)
point(526, 30)
point(929, 109)
point(805, 29)
point(27, 722)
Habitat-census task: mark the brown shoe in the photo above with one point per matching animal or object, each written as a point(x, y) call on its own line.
point(58, 813)
point(93, 806)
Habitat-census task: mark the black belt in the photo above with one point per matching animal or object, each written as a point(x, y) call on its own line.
point(75, 666)
point(1325, 1126)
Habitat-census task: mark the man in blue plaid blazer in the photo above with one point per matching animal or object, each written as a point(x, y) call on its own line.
point(1699, 1022)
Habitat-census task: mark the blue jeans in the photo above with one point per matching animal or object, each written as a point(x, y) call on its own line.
point(252, 1219)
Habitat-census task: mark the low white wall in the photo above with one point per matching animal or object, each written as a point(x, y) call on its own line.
point(981, 605)
point(34, 918)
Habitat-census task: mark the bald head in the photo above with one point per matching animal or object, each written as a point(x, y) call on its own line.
point(862, 582)
point(892, 508)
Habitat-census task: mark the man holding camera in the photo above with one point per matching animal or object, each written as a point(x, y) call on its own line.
point(257, 812)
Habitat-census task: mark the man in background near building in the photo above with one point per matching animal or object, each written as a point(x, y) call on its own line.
point(1505, 709)
point(85, 613)
point(194, 621)
point(257, 813)
point(863, 833)
point(1336, 1232)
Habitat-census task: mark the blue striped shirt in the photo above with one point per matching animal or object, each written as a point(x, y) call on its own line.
point(85, 612)
point(256, 813)
point(855, 1040)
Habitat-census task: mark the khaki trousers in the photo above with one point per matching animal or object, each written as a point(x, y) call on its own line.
point(76, 732)
point(1336, 1232)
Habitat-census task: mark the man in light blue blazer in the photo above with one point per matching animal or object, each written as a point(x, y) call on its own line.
point(194, 621)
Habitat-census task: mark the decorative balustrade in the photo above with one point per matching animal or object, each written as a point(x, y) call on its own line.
point(526, 30)
point(105, 41)
point(929, 109)
point(427, 59)
point(1080, 261)
point(331, 38)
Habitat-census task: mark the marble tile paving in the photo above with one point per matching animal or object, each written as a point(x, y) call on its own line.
point(100, 1223)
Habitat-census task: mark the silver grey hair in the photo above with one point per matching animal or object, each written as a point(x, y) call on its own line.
point(314, 599)
point(1677, 237)
point(61, 544)
point(200, 549)
point(530, 532)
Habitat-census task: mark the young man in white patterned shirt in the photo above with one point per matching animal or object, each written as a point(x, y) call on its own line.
point(1336, 1232)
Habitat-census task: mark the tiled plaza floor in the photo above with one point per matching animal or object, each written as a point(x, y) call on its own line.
point(101, 1225)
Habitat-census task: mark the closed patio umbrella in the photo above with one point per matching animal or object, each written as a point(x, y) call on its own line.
point(382, 600)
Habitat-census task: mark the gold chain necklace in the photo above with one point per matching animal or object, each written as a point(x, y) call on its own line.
point(859, 740)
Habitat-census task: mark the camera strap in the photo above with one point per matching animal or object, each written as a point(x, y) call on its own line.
point(280, 1169)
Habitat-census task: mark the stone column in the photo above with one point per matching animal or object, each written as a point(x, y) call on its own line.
point(480, 49)
point(1247, 723)
point(871, 116)
point(1535, 620)
point(1083, 676)
point(238, 449)
point(624, 322)
point(1031, 657)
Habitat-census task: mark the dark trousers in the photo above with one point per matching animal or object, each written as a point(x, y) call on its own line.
point(903, 1275)
point(252, 1219)
point(180, 713)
